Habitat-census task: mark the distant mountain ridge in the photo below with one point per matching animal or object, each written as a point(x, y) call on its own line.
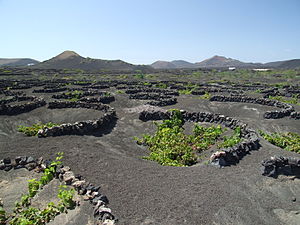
point(222, 62)
point(176, 64)
point(72, 60)
point(17, 61)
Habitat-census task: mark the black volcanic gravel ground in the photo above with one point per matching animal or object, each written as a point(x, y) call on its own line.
point(143, 192)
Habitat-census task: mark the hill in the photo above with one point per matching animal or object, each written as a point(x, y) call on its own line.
point(163, 65)
point(287, 64)
point(72, 60)
point(221, 61)
point(17, 62)
point(183, 64)
point(214, 62)
point(176, 64)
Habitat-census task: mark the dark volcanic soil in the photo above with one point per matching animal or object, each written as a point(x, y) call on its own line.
point(143, 192)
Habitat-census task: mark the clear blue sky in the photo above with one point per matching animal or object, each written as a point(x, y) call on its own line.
point(143, 31)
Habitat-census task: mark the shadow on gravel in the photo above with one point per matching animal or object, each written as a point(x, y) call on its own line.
point(290, 171)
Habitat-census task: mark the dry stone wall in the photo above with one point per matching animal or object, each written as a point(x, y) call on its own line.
point(83, 127)
point(224, 157)
point(7, 109)
point(87, 190)
point(277, 165)
point(285, 111)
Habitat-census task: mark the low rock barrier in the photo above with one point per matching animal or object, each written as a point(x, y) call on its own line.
point(163, 102)
point(281, 165)
point(12, 93)
point(152, 90)
point(104, 99)
point(66, 104)
point(275, 114)
point(224, 157)
point(295, 115)
point(88, 191)
point(6, 109)
point(80, 94)
point(49, 90)
point(83, 127)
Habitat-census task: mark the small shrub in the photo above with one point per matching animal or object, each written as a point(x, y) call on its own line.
point(232, 140)
point(206, 96)
point(33, 130)
point(170, 146)
point(161, 85)
point(288, 141)
point(185, 91)
point(66, 196)
point(120, 92)
point(3, 217)
point(293, 100)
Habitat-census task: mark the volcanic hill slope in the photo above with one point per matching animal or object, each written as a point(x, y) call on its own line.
point(224, 62)
point(287, 64)
point(72, 60)
point(213, 62)
point(175, 64)
point(17, 62)
point(221, 61)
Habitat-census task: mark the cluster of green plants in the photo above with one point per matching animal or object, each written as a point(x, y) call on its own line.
point(281, 84)
point(197, 74)
point(139, 75)
point(187, 91)
point(293, 100)
point(24, 214)
point(120, 91)
point(3, 216)
point(172, 147)
point(189, 87)
point(289, 141)
point(161, 85)
point(106, 94)
point(123, 76)
point(28, 215)
point(146, 84)
point(80, 82)
point(34, 129)
point(232, 140)
point(207, 95)
point(74, 96)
